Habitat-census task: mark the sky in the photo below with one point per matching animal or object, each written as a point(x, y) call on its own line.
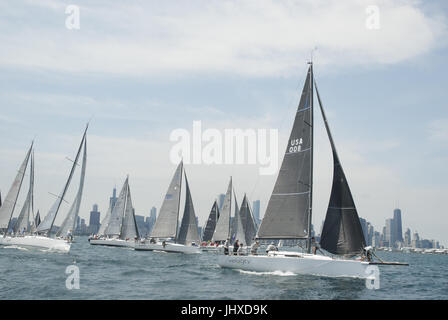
point(139, 70)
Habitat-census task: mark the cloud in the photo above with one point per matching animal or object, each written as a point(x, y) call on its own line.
point(255, 38)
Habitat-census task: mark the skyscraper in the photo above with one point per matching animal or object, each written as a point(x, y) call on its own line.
point(407, 238)
point(390, 232)
point(398, 232)
point(113, 199)
point(94, 221)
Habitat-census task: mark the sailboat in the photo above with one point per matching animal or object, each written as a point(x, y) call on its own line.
point(289, 211)
point(165, 235)
point(120, 228)
point(209, 229)
point(39, 235)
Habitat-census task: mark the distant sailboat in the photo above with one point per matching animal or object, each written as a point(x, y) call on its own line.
point(209, 229)
point(35, 233)
point(165, 236)
point(288, 215)
point(120, 229)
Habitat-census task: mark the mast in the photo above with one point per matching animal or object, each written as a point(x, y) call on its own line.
point(178, 201)
point(47, 223)
point(312, 155)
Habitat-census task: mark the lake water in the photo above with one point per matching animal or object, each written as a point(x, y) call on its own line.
point(122, 273)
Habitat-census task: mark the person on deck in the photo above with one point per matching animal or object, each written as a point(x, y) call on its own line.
point(254, 248)
point(235, 247)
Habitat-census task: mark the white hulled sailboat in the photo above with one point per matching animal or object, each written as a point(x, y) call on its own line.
point(165, 236)
point(119, 227)
point(288, 214)
point(28, 231)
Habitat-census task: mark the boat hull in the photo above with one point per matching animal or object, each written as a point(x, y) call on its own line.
point(297, 264)
point(168, 247)
point(112, 243)
point(37, 242)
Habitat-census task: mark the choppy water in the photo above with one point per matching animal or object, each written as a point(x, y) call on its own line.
point(121, 273)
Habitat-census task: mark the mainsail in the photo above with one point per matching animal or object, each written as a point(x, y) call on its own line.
point(129, 229)
point(70, 220)
point(188, 232)
point(342, 232)
point(105, 221)
point(238, 229)
point(288, 214)
point(23, 220)
point(167, 221)
point(49, 219)
point(248, 222)
point(222, 230)
point(211, 223)
point(7, 208)
point(113, 227)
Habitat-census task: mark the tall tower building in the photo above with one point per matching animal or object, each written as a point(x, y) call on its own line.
point(397, 224)
point(94, 221)
point(364, 228)
point(390, 232)
point(113, 199)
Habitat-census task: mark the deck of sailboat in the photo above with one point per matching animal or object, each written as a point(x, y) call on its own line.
point(113, 242)
point(35, 241)
point(167, 247)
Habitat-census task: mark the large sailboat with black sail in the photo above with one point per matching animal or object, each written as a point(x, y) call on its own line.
point(28, 231)
point(165, 235)
point(289, 211)
point(119, 228)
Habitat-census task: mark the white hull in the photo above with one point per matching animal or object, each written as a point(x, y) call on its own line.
point(113, 242)
point(296, 263)
point(37, 241)
point(169, 247)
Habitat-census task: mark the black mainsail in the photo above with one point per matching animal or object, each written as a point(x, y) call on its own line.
point(342, 232)
point(211, 223)
point(288, 214)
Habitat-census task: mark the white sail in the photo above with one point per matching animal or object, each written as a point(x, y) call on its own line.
point(47, 223)
point(7, 208)
point(70, 219)
point(23, 220)
point(222, 230)
point(129, 228)
point(166, 223)
point(113, 228)
point(105, 221)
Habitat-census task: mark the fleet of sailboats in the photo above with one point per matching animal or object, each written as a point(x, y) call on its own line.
point(288, 215)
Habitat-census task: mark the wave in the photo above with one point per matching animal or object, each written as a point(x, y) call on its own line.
point(16, 247)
